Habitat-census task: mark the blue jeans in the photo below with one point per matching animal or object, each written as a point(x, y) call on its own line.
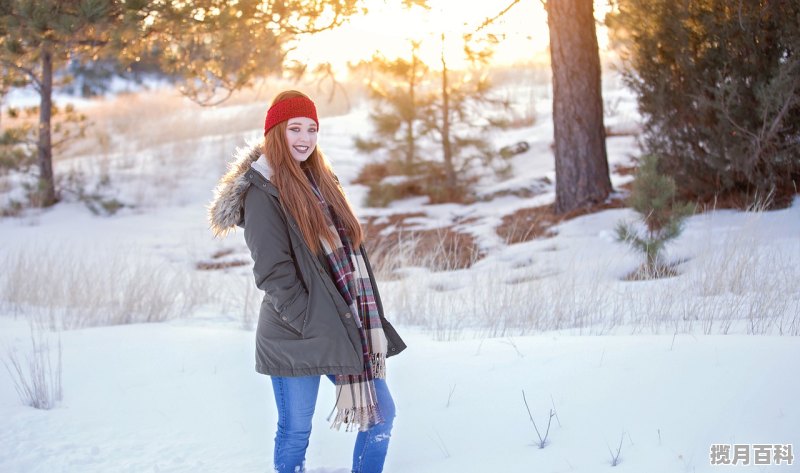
point(296, 398)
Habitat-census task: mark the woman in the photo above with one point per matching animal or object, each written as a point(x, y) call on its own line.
point(321, 313)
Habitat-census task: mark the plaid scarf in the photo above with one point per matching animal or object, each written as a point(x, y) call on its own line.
point(356, 399)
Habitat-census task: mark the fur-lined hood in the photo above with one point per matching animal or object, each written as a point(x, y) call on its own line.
point(225, 209)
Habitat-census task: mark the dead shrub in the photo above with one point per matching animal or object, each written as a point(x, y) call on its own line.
point(441, 249)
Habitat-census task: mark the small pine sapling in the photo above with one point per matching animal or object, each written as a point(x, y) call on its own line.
point(653, 198)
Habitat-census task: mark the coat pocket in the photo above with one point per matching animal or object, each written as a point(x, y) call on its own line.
point(273, 325)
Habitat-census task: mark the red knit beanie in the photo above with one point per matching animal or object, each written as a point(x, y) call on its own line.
point(290, 108)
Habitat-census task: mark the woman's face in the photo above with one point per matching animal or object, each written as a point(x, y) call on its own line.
point(301, 136)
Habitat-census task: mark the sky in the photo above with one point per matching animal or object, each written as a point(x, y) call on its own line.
point(388, 27)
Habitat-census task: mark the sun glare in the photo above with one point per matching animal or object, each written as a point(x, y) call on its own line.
point(388, 28)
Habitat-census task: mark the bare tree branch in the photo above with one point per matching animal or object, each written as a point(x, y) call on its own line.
point(489, 21)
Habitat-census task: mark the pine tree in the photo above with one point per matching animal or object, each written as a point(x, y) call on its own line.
point(19, 137)
point(211, 45)
point(464, 109)
point(399, 102)
point(38, 37)
point(450, 114)
point(718, 86)
point(653, 198)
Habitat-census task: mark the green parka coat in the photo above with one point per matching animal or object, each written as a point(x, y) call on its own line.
point(304, 327)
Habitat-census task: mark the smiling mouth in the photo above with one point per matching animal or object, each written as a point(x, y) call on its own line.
point(301, 149)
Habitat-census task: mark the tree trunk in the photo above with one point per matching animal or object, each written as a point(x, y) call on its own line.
point(410, 145)
point(450, 174)
point(47, 189)
point(580, 148)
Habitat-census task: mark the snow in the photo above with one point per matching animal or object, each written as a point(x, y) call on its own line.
point(183, 396)
point(175, 397)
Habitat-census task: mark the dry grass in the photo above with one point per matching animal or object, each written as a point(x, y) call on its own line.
point(83, 288)
point(219, 260)
point(527, 224)
point(218, 265)
point(146, 120)
point(645, 272)
point(735, 199)
point(395, 243)
point(37, 377)
point(142, 120)
point(742, 200)
point(733, 286)
point(625, 169)
point(490, 304)
point(537, 222)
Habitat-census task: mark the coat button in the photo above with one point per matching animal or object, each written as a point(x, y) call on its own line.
point(284, 318)
point(346, 315)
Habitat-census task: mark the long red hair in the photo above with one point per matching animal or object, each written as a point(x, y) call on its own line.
point(297, 197)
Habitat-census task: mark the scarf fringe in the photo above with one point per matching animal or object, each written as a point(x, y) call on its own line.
point(378, 361)
point(361, 417)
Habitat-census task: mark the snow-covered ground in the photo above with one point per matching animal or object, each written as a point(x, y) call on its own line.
point(675, 367)
point(183, 396)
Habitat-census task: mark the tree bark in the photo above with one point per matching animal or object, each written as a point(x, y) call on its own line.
point(47, 189)
point(582, 176)
point(450, 174)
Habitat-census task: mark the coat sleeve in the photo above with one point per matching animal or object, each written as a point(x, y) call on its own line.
point(267, 237)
